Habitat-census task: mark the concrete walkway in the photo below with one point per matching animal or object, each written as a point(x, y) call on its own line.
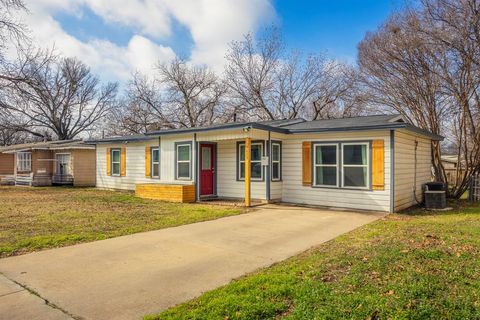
point(131, 276)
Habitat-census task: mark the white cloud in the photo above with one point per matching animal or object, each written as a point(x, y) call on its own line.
point(211, 23)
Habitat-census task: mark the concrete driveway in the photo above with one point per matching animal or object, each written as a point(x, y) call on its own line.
point(131, 276)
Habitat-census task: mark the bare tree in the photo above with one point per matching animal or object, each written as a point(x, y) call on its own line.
point(140, 110)
point(454, 26)
point(192, 94)
point(398, 69)
point(337, 94)
point(11, 29)
point(51, 95)
point(423, 63)
point(8, 134)
point(266, 83)
point(297, 83)
point(251, 73)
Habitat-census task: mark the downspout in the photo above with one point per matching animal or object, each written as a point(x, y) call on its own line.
point(268, 168)
point(160, 153)
point(195, 163)
point(415, 174)
point(392, 171)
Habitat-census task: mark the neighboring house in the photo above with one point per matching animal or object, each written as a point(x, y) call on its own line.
point(452, 167)
point(53, 162)
point(357, 163)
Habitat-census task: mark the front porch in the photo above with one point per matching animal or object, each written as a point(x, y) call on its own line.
point(229, 166)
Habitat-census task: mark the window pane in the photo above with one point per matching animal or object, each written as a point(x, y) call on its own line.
point(242, 170)
point(355, 154)
point(256, 152)
point(115, 156)
point(206, 158)
point(155, 170)
point(184, 170)
point(276, 152)
point(242, 152)
point(355, 176)
point(183, 153)
point(256, 170)
point(326, 155)
point(326, 176)
point(276, 170)
point(115, 168)
point(155, 155)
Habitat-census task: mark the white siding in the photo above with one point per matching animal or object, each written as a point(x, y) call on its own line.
point(405, 168)
point(295, 192)
point(228, 186)
point(276, 190)
point(135, 163)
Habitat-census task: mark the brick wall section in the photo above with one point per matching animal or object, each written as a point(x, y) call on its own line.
point(166, 192)
point(7, 164)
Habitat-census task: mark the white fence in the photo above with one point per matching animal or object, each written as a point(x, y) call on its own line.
point(474, 190)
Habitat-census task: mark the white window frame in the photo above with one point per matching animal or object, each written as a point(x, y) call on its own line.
point(336, 166)
point(367, 147)
point(57, 163)
point(153, 163)
point(279, 161)
point(189, 161)
point(251, 162)
point(24, 163)
point(114, 162)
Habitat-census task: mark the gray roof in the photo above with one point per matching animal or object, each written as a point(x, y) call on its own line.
point(48, 145)
point(345, 123)
point(293, 126)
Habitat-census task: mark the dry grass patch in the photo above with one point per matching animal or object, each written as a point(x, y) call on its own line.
point(38, 218)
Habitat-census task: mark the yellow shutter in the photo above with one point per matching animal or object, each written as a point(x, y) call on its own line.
point(109, 172)
point(147, 162)
point(378, 165)
point(123, 162)
point(307, 163)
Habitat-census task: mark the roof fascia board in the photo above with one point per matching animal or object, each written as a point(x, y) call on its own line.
point(253, 125)
point(423, 132)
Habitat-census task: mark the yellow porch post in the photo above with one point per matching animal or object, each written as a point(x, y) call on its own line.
point(248, 165)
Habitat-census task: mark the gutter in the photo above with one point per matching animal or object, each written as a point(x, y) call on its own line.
point(255, 125)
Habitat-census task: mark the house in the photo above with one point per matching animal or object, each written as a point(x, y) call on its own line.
point(372, 163)
point(452, 167)
point(45, 163)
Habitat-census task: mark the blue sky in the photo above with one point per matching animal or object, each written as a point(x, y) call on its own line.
point(133, 35)
point(334, 26)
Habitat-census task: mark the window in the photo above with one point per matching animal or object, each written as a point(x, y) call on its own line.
point(115, 162)
point(256, 161)
point(345, 162)
point(276, 161)
point(326, 165)
point(63, 163)
point(24, 161)
point(355, 165)
point(155, 156)
point(206, 158)
point(184, 161)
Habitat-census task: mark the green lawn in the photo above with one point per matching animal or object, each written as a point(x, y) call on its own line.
point(37, 218)
point(421, 265)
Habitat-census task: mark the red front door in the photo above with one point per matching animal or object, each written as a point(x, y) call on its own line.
point(207, 169)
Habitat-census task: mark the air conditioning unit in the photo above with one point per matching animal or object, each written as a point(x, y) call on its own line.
point(435, 195)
